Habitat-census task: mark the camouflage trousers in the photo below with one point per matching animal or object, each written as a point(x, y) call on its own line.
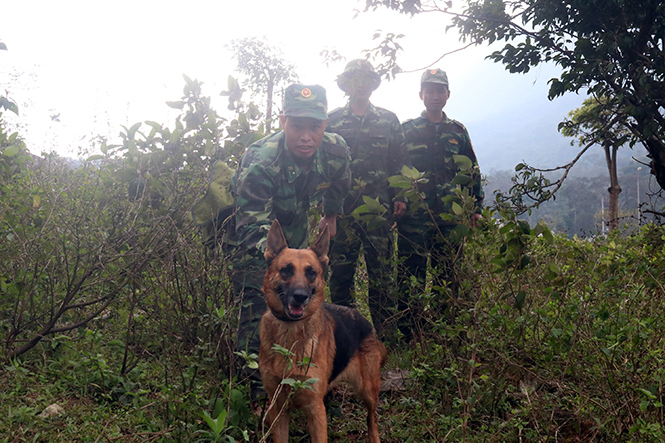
point(378, 249)
point(419, 242)
point(247, 277)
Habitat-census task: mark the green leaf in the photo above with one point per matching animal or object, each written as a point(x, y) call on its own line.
point(411, 173)
point(399, 181)
point(461, 179)
point(459, 233)
point(217, 425)
point(153, 125)
point(253, 364)
point(132, 131)
point(9, 105)
point(94, 157)
point(176, 105)
point(281, 349)
point(12, 150)
point(457, 209)
point(463, 162)
point(373, 205)
point(519, 299)
point(127, 175)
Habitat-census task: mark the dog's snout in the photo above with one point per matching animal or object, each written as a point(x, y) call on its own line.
point(300, 296)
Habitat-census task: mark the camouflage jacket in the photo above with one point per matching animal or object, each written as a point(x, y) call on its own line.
point(376, 142)
point(268, 184)
point(431, 151)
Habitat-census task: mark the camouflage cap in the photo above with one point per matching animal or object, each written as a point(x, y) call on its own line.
point(306, 101)
point(434, 76)
point(356, 67)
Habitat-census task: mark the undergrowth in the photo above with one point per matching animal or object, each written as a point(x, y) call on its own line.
point(567, 347)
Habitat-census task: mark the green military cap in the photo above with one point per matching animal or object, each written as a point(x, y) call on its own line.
point(357, 67)
point(306, 101)
point(434, 76)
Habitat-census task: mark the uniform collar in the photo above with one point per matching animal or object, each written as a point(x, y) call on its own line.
point(424, 116)
point(349, 112)
point(293, 171)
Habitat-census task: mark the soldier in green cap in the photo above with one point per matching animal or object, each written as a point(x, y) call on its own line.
point(376, 141)
point(432, 140)
point(281, 177)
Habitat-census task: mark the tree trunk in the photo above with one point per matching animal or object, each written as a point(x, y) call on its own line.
point(614, 189)
point(271, 84)
point(656, 150)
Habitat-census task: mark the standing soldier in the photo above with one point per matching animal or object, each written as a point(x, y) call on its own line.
point(281, 177)
point(432, 140)
point(376, 141)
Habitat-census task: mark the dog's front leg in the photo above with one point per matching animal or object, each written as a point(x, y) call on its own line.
point(279, 423)
point(316, 421)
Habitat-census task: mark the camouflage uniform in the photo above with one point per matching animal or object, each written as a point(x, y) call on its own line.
point(377, 149)
point(269, 184)
point(431, 147)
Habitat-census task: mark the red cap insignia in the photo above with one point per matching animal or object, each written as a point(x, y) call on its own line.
point(306, 92)
point(433, 71)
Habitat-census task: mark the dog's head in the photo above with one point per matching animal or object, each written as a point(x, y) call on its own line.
point(294, 282)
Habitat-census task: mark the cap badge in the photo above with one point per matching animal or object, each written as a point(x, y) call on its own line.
point(360, 62)
point(306, 92)
point(433, 71)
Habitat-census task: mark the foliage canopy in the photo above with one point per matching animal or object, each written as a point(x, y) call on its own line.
point(265, 68)
point(611, 48)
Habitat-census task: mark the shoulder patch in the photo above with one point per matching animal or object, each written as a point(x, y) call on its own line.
point(265, 151)
point(384, 111)
point(336, 111)
point(334, 144)
point(458, 123)
point(414, 121)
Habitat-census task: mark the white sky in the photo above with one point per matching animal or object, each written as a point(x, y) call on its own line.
point(102, 64)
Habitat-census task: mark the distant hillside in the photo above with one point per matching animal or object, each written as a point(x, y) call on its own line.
point(510, 120)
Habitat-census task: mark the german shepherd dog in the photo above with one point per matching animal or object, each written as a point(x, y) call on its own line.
point(326, 342)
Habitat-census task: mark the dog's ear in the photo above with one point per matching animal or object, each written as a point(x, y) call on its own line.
point(321, 246)
point(275, 243)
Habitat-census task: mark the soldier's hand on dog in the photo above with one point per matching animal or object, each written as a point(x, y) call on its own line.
point(331, 222)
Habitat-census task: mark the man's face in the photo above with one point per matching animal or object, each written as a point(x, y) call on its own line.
point(303, 135)
point(435, 96)
point(360, 86)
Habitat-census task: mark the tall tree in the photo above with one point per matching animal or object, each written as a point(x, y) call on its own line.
point(612, 48)
point(265, 69)
point(598, 122)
